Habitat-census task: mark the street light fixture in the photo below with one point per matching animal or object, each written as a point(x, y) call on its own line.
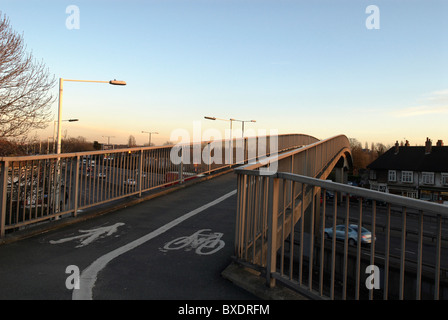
point(149, 138)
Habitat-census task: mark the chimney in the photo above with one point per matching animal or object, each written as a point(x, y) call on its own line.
point(428, 146)
point(397, 147)
point(440, 143)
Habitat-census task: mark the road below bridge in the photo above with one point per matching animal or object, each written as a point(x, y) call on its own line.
point(172, 247)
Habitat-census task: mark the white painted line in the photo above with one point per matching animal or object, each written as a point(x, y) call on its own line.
point(89, 275)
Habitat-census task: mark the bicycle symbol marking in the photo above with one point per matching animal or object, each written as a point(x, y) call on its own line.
point(204, 243)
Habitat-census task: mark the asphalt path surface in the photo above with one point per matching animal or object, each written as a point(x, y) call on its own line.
point(41, 267)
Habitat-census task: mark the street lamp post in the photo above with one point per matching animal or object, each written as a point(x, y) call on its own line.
point(149, 136)
point(58, 151)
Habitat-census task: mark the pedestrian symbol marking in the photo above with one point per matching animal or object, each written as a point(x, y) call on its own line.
point(89, 236)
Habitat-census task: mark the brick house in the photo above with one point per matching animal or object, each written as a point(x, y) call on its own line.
point(416, 172)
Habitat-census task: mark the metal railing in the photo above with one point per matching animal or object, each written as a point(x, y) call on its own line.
point(43, 187)
point(285, 224)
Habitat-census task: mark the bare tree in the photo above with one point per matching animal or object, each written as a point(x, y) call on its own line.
point(25, 86)
point(131, 141)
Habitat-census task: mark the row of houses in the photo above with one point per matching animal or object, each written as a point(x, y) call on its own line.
point(419, 172)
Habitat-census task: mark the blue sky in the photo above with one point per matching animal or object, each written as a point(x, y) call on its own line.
point(296, 66)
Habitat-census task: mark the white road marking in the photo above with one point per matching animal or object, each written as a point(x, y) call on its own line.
point(89, 275)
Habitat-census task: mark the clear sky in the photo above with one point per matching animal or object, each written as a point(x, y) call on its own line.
point(308, 67)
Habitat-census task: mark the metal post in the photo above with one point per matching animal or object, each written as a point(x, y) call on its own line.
point(181, 166)
point(140, 173)
point(272, 230)
point(76, 197)
point(3, 190)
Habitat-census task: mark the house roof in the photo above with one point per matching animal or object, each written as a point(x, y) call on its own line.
point(413, 159)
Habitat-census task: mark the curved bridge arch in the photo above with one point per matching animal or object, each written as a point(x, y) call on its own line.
point(262, 201)
point(315, 160)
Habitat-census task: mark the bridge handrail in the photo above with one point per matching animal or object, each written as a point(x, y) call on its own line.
point(30, 186)
point(273, 210)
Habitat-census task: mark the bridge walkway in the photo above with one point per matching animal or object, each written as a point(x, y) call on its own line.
point(143, 268)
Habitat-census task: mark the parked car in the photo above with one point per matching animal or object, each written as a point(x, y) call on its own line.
point(366, 235)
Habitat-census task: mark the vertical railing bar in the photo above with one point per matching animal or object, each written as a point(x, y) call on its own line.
point(140, 172)
point(291, 247)
point(302, 214)
point(63, 195)
point(402, 255)
point(238, 215)
point(25, 192)
point(282, 259)
point(272, 230)
point(386, 254)
point(250, 223)
point(266, 214)
point(372, 242)
point(358, 251)
point(333, 247)
point(70, 183)
point(346, 244)
point(76, 196)
point(102, 180)
point(254, 218)
point(322, 244)
point(38, 195)
point(32, 193)
point(44, 177)
point(116, 170)
point(82, 179)
point(4, 170)
point(438, 257)
point(91, 191)
point(311, 253)
point(243, 214)
point(248, 216)
point(419, 257)
point(19, 183)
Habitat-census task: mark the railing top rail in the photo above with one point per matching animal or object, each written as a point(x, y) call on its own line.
point(121, 150)
point(262, 162)
point(360, 192)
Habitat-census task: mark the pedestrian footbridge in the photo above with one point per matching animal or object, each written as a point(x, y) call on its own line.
point(284, 205)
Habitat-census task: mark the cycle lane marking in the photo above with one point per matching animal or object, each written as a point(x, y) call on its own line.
point(199, 241)
point(89, 275)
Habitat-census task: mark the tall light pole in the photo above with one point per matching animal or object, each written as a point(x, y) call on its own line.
point(61, 85)
point(149, 137)
point(58, 151)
